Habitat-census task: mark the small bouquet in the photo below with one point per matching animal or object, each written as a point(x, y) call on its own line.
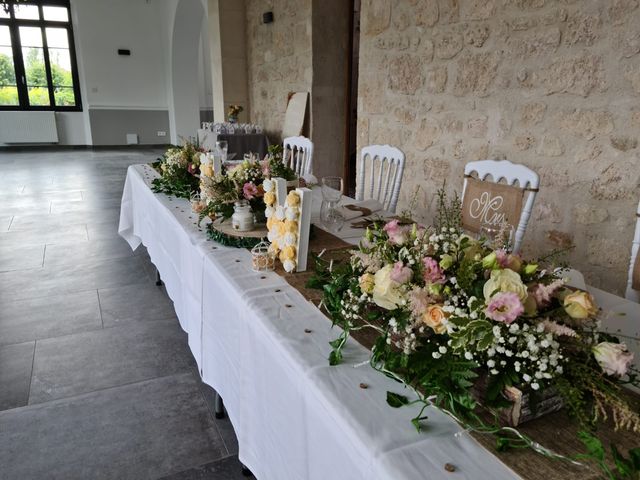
point(234, 111)
point(178, 168)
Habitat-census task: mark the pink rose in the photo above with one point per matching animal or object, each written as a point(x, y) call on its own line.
point(613, 358)
point(396, 233)
point(400, 273)
point(249, 190)
point(432, 271)
point(504, 307)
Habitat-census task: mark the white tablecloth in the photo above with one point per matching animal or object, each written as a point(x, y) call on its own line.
point(295, 416)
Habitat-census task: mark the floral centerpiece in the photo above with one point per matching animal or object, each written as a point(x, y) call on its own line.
point(243, 182)
point(234, 111)
point(178, 168)
point(450, 310)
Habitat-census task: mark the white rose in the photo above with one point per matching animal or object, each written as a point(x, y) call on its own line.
point(290, 239)
point(291, 213)
point(280, 213)
point(386, 293)
point(289, 266)
point(267, 185)
point(269, 211)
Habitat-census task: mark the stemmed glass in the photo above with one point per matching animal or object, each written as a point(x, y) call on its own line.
point(221, 149)
point(497, 235)
point(330, 216)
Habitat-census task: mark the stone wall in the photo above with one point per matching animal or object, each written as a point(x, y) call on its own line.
point(279, 58)
point(552, 84)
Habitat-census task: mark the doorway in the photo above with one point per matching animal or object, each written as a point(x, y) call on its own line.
point(351, 154)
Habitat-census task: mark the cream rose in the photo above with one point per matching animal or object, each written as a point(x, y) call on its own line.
point(385, 292)
point(580, 305)
point(436, 318)
point(269, 198)
point(367, 282)
point(293, 199)
point(505, 281)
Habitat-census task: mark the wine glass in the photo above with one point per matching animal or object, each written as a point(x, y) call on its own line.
point(330, 216)
point(221, 149)
point(332, 189)
point(497, 235)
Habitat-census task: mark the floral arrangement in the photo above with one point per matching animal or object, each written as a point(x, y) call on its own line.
point(450, 310)
point(234, 111)
point(178, 169)
point(243, 181)
point(283, 224)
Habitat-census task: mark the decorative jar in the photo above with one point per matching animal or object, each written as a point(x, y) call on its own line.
point(242, 218)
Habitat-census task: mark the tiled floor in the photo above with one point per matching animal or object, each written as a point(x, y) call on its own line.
point(96, 378)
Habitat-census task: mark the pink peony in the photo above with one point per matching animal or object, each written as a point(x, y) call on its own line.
point(400, 273)
point(613, 358)
point(432, 272)
point(397, 234)
point(504, 307)
point(249, 190)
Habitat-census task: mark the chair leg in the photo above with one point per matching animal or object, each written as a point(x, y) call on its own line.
point(158, 279)
point(246, 472)
point(218, 407)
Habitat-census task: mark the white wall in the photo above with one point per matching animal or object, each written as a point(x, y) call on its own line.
point(143, 81)
point(112, 80)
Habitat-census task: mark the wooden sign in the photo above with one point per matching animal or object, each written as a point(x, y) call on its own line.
point(490, 203)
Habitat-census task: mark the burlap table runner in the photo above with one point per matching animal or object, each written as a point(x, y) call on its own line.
point(489, 202)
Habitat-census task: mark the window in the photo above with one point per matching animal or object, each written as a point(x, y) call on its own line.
point(37, 57)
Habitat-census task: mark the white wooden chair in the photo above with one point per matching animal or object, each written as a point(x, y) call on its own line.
point(383, 177)
point(297, 153)
point(631, 294)
point(511, 173)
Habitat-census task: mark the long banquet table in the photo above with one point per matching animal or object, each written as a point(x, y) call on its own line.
point(264, 349)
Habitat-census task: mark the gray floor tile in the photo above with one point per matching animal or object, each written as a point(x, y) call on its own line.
point(60, 221)
point(222, 424)
point(15, 374)
point(87, 251)
point(5, 221)
point(45, 317)
point(70, 234)
point(69, 278)
point(136, 302)
point(228, 468)
point(90, 361)
point(21, 257)
point(140, 431)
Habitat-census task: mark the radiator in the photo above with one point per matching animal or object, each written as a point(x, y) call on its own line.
point(28, 127)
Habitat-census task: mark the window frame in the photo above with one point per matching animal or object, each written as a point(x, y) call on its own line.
point(18, 60)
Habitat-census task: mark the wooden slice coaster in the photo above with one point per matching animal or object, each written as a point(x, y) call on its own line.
point(225, 226)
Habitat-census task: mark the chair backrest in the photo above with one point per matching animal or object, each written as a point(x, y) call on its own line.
point(631, 294)
point(297, 153)
point(511, 173)
point(384, 176)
